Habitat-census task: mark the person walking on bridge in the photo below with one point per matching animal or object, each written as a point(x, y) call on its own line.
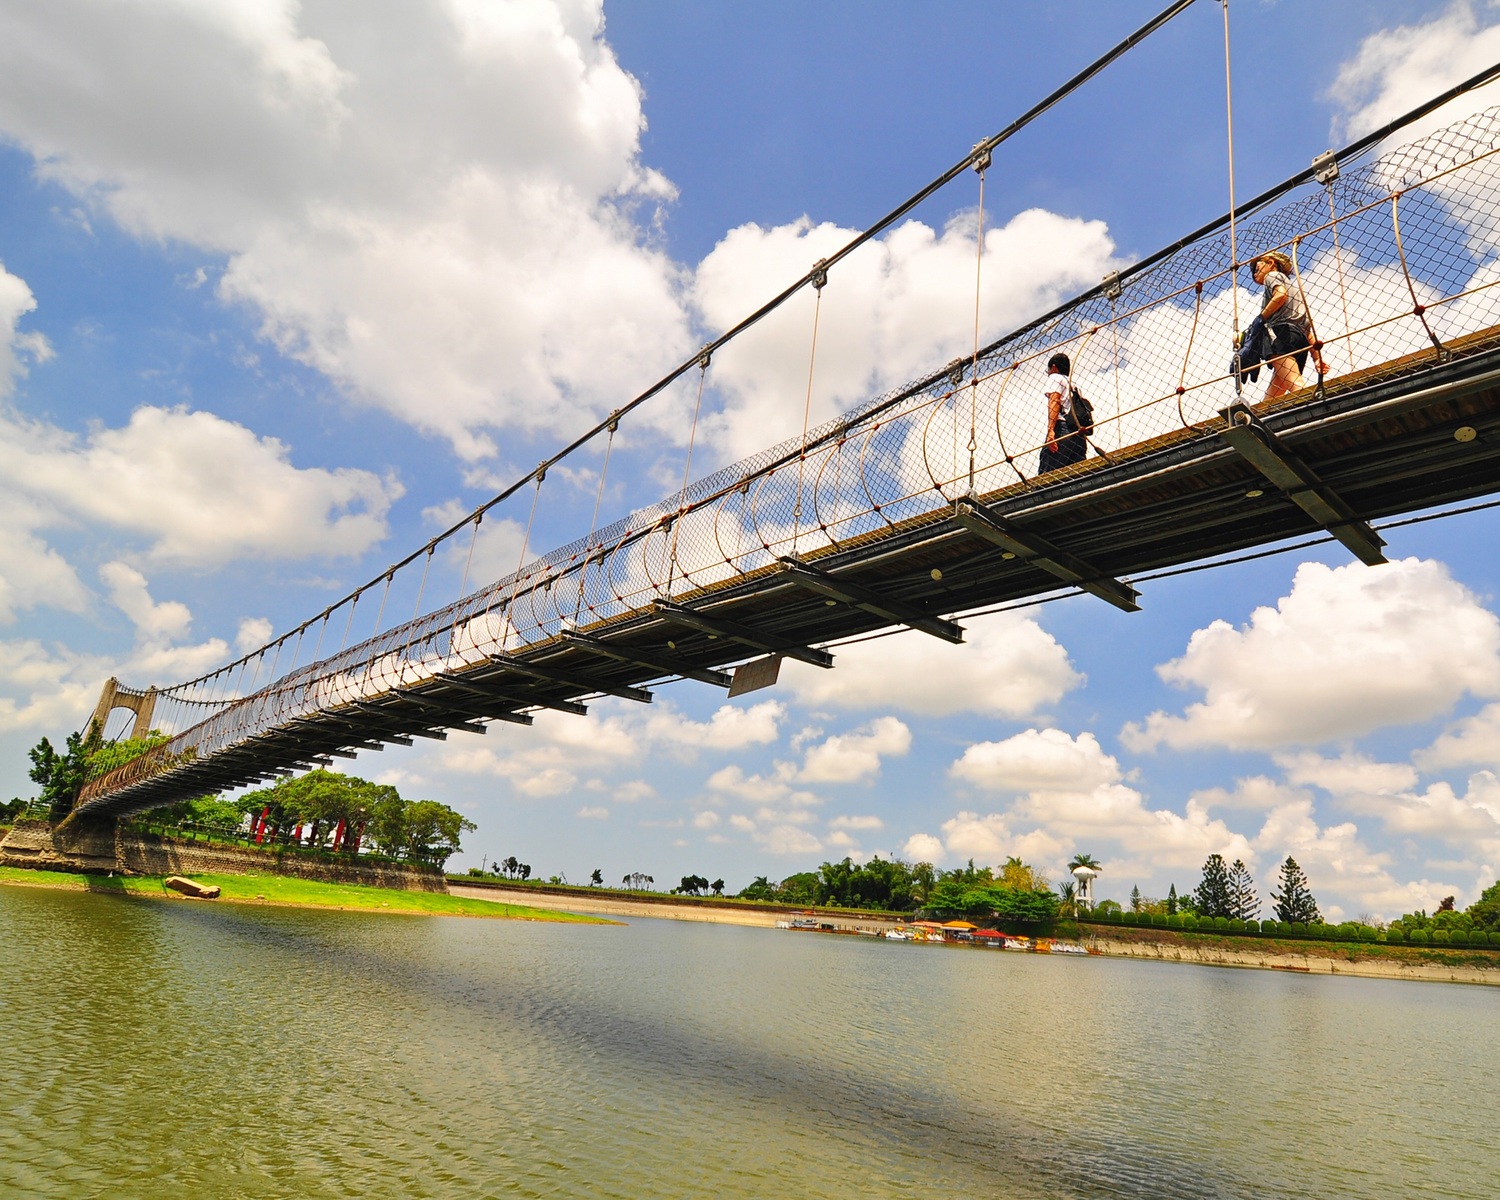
point(1288, 326)
point(1065, 444)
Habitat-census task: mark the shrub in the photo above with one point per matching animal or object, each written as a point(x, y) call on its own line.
point(1189, 920)
point(1299, 928)
point(1252, 928)
point(1174, 921)
point(1419, 937)
point(1494, 937)
point(1220, 924)
point(1367, 933)
point(1395, 934)
point(1270, 926)
point(1130, 918)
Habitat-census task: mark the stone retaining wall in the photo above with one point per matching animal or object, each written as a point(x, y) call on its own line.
point(103, 846)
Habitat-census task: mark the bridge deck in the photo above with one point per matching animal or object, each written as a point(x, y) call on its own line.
point(1383, 440)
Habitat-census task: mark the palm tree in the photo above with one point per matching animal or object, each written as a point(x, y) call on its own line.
point(1067, 894)
point(1085, 860)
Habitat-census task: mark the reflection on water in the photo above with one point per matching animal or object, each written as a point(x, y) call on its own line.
point(222, 1052)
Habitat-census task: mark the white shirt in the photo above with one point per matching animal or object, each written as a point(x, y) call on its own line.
point(1059, 384)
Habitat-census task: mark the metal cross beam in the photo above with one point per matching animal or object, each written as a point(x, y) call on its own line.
point(666, 664)
point(871, 601)
point(474, 689)
point(568, 679)
point(1269, 455)
point(1038, 551)
point(734, 631)
point(447, 709)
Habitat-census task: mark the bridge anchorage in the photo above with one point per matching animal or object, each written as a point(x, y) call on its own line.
point(926, 502)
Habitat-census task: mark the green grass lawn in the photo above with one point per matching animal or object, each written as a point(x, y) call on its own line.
point(304, 893)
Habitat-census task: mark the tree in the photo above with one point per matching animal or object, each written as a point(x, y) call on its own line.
point(1212, 893)
point(1446, 905)
point(760, 888)
point(1485, 912)
point(1085, 860)
point(597, 878)
point(1244, 904)
point(62, 776)
point(1171, 900)
point(1135, 899)
point(1023, 876)
point(691, 885)
point(1067, 898)
point(1292, 901)
point(525, 869)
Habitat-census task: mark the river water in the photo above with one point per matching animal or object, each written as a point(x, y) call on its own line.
point(159, 1048)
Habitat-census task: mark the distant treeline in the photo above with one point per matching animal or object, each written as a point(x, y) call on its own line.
point(1015, 892)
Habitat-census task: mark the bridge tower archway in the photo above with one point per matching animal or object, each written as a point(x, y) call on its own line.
point(114, 696)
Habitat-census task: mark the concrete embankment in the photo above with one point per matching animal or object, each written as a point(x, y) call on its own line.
point(1278, 958)
point(103, 847)
point(667, 907)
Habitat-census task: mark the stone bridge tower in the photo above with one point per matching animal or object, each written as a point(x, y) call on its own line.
point(143, 704)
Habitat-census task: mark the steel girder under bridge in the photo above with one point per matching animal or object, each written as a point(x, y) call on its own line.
point(927, 502)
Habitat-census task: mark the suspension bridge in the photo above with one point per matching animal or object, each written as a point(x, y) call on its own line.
point(927, 503)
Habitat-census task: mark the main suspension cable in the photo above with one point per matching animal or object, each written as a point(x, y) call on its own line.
point(872, 231)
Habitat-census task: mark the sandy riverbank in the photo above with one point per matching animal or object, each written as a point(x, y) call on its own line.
point(1330, 962)
point(607, 904)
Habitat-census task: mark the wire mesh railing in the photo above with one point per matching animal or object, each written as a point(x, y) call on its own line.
point(1393, 259)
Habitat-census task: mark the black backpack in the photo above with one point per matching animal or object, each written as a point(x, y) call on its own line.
point(1082, 414)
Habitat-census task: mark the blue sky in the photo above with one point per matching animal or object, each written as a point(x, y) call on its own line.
point(288, 287)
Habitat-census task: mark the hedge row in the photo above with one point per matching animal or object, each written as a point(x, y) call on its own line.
point(1347, 932)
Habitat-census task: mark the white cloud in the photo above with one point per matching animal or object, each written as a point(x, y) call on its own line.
point(51, 688)
point(1473, 741)
point(1348, 773)
point(1340, 866)
point(205, 490)
point(706, 820)
point(593, 812)
point(865, 823)
point(428, 200)
point(892, 309)
point(1350, 650)
point(923, 847)
point(1009, 667)
point(990, 840)
point(632, 791)
point(167, 621)
point(16, 301)
point(1038, 760)
point(253, 633)
point(772, 788)
point(1397, 69)
point(1255, 794)
point(730, 728)
point(855, 757)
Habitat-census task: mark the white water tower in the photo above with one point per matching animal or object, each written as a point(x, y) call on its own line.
point(1085, 892)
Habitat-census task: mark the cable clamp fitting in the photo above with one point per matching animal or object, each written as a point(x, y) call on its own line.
point(1325, 168)
point(705, 357)
point(1112, 288)
point(982, 159)
point(819, 274)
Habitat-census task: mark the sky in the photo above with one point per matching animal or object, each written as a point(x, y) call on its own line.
point(286, 288)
